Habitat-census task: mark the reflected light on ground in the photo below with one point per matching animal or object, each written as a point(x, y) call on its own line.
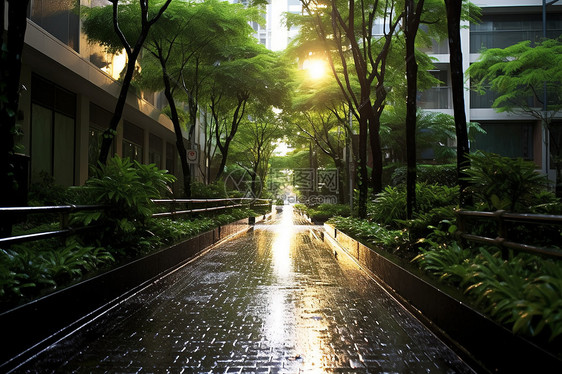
point(281, 246)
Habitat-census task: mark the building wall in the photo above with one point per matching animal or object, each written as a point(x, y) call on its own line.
point(504, 22)
point(83, 74)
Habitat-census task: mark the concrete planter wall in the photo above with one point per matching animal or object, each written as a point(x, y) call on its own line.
point(29, 328)
point(478, 339)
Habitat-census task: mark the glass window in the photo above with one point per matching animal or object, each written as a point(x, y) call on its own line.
point(99, 122)
point(503, 30)
point(63, 156)
point(133, 140)
point(53, 125)
point(506, 139)
point(170, 157)
point(58, 17)
point(436, 97)
point(155, 150)
point(41, 140)
point(94, 145)
point(555, 143)
point(132, 151)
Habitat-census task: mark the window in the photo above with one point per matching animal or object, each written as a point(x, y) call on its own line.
point(555, 143)
point(170, 157)
point(53, 118)
point(436, 97)
point(506, 139)
point(155, 148)
point(133, 140)
point(503, 30)
point(99, 122)
point(58, 17)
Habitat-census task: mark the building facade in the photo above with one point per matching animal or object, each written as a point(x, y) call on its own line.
point(503, 23)
point(69, 91)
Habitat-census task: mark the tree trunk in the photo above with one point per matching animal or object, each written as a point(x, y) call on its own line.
point(186, 171)
point(236, 118)
point(109, 133)
point(412, 15)
point(132, 55)
point(10, 68)
point(457, 84)
point(363, 178)
point(376, 150)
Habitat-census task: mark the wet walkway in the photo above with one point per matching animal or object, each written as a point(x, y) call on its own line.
point(272, 301)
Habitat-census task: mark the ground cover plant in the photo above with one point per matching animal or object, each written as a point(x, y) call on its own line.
point(322, 212)
point(126, 230)
point(524, 291)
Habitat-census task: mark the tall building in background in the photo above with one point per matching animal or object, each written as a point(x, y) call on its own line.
point(503, 23)
point(274, 35)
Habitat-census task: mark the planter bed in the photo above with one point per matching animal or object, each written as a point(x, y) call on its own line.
point(479, 340)
point(30, 328)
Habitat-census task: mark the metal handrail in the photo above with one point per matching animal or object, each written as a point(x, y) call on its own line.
point(501, 217)
point(66, 210)
point(173, 212)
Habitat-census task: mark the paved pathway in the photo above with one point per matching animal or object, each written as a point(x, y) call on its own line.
point(273, 301)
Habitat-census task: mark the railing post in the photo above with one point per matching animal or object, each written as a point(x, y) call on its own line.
point(461, 224)
point(173, 209)
point(502, 233)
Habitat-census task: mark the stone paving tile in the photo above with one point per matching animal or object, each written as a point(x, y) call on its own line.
point(272, 301)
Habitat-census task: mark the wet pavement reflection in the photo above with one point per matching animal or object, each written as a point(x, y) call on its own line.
point(275, 300)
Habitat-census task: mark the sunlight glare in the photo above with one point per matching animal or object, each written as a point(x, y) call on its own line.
point(316, 68)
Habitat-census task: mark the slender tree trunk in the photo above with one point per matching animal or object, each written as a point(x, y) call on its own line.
point(236, 118)
point(10, 68)
point(376, 149)
point(132, 55)
point(412, 20)
point(363, 178)
point(457, 84)
point(111, 131)
point(186, 171)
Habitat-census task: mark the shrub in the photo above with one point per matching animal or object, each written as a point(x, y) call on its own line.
point(370, 232)
point(389, 207)
point(26, 270)
point(323, 212)
point(524, 292)
point(445, 175)
point(498, 183)
point(202, 191)
point(126, 188)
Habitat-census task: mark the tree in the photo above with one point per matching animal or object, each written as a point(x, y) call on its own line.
point(255, 143)
point(95, 23)
point(249, 74)
point(346, 30)
point(412, 18)
point(10, 68)
point(454, 15)
point(433, 131)
point(520, 74)
point(321, 115)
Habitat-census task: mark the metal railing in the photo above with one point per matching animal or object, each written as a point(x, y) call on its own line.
point(11, 214)
point(190, 206)
point(503, 219)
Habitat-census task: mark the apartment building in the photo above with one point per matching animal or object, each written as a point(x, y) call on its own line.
point(69, 91)
point(503, 23)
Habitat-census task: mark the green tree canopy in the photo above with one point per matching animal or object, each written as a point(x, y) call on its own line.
point(527, 78)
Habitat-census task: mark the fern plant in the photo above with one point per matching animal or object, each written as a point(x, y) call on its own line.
point(126, 188)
